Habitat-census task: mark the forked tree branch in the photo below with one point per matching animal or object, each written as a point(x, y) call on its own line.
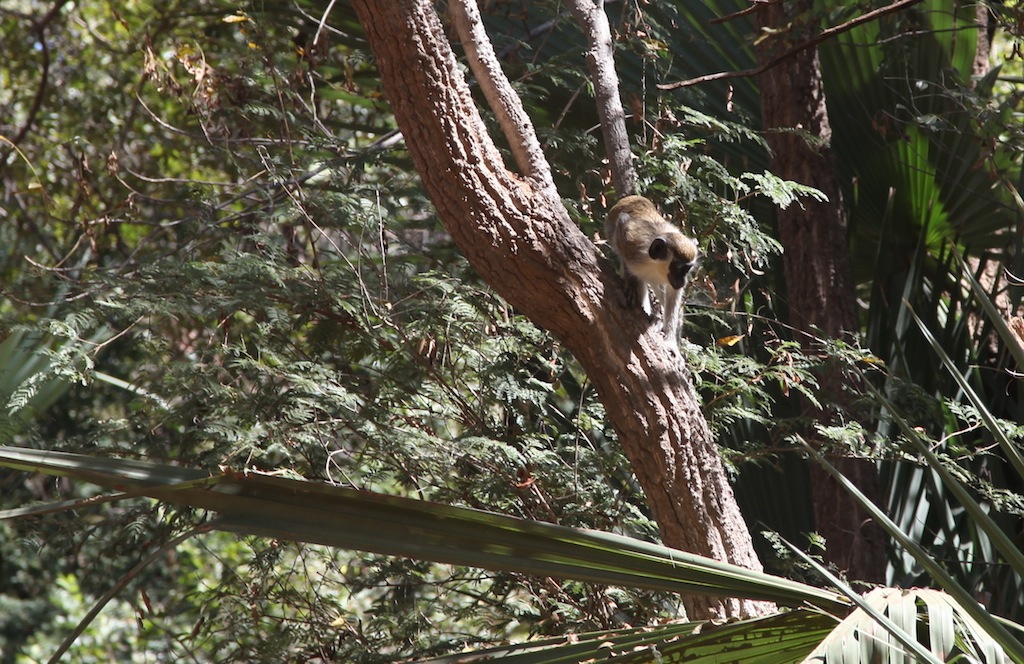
point(518, 235)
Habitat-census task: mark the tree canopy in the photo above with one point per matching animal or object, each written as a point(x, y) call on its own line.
point(266, 278)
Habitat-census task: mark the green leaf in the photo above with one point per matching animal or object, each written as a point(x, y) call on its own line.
point(783, 637)
point(297, 510)
point(988, 623)
point(1005, 444)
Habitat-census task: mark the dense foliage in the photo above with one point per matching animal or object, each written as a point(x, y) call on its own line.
point(220, 255)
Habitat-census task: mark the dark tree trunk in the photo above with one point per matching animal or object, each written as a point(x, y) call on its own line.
point(816, 266)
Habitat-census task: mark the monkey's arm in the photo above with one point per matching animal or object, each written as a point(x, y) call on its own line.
point(672, 313)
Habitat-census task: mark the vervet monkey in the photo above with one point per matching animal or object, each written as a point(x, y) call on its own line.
point(653, 253)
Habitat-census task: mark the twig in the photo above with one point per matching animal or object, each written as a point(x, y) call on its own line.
point(754, 6)
point(824, 35)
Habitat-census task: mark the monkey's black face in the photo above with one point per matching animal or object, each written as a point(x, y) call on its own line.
point(676, 256)
point(678, 271)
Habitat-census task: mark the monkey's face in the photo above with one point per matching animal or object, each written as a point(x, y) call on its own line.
point(678, 272)
point(678, 254)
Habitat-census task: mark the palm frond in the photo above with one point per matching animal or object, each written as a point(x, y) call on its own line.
point(774, 639)
point(993, 628)
point(302, 511)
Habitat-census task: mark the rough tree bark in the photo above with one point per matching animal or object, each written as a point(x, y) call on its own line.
point(819, 283)
point(516, 233)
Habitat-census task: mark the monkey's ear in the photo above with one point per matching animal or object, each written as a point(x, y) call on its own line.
point(658, 249)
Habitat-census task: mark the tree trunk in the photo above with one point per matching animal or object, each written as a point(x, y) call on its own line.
point(517, 234)
point(816, 267)
point(985, 20)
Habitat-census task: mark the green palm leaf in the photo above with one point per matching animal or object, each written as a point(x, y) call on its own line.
point(783, 637)
point(303, 511)
point(992, 628)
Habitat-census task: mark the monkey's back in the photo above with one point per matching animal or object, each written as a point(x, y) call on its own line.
point(630, 226)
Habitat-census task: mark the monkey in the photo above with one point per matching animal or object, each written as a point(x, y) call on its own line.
point(654, 253)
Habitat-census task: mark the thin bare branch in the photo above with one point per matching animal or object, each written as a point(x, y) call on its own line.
point(810, 43)
point(754, 6)
point(601, 58)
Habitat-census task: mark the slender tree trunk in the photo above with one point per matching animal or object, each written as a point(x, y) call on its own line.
point(516, 233)
point(816, 266)
point(984, 18)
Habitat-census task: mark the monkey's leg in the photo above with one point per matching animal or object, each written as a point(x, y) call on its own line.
point(636, 293)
